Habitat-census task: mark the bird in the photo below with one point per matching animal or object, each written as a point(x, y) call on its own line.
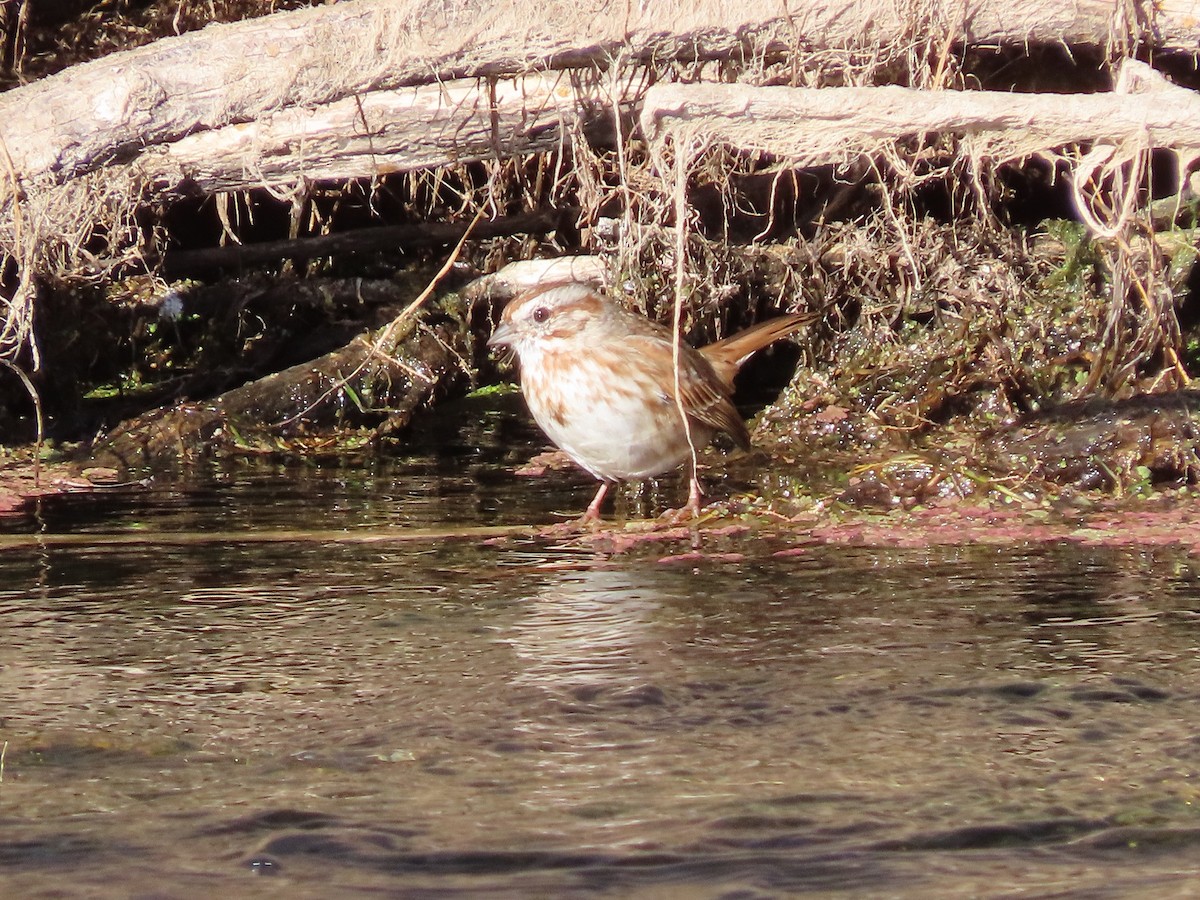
point(600, 381)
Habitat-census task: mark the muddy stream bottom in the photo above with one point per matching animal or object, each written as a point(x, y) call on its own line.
point(202, 712)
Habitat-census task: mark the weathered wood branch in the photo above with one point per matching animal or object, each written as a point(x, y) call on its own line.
point(832, 125)
point(375, 134)
point(365, 87)
point(114, 108)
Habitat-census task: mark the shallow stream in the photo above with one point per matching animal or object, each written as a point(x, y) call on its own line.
point(240, 685)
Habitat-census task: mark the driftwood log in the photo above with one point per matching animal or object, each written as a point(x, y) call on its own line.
point(374, 86)
point(810, 126)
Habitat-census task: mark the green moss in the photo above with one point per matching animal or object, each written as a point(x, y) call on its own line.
point(494, 390)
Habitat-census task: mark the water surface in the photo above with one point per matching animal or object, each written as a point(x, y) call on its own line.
point(316, 716)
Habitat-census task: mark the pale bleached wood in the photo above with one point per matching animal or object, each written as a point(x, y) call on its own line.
point(308, 94)
point(115, 108)
point(377, 133)
point(524, 274)
point(833, 125)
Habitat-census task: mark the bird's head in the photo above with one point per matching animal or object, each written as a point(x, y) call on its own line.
point(547, 316)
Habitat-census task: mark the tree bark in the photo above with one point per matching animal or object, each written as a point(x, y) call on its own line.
point(399, 368)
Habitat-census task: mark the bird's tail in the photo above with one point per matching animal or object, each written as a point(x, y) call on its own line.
point(728, 354)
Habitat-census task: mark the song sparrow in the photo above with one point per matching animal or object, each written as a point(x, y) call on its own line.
point(600, 381)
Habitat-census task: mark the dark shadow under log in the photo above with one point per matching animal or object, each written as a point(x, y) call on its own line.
point(363, 240)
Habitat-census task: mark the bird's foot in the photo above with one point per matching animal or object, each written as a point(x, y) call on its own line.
point(688, 515)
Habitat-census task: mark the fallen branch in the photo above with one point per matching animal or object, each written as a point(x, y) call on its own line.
point(520, 276)
point(114, 108)
point(808, 127)
point(375, 133)
point(300, 408)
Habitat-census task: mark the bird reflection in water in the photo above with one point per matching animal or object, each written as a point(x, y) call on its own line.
point(596, 628)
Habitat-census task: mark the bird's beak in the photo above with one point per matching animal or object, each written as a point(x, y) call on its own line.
point(502, 336)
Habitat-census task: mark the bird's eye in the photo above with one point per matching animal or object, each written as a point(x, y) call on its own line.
point(541, 314)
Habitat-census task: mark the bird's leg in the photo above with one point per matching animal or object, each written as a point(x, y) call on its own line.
point(693, 504)
point(686, 514)
point(593, 510)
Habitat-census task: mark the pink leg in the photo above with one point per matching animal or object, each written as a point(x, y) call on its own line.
point(691, 511)
point(593, 510)
point(693, 503)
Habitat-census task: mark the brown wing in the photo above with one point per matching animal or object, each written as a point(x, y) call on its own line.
point(706, 398)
